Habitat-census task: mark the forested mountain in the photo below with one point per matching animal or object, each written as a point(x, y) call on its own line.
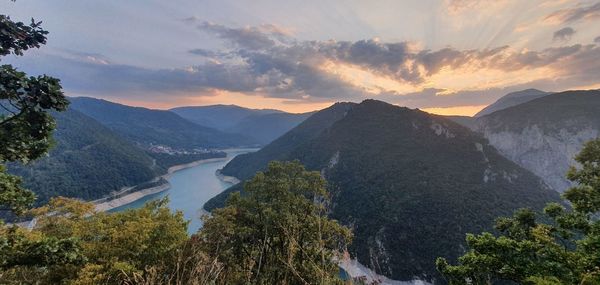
point(543, 135)
point(262, 125)
point(88, 161)
point(265, 128)
point(246, 165)
point(221, 117)
point(512, 99)
point(410, 184)
point(151, 127)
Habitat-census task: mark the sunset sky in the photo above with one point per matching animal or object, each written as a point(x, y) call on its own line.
point(443, 56)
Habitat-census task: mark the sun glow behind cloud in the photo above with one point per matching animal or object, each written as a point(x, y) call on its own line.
point(443, 55)
point(365, 79)
point(473, 75)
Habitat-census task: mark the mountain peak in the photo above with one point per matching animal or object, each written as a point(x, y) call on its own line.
point(402, 178)
point(512, 99)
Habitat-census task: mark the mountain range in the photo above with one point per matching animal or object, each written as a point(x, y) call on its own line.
point(102, 147)
point(221, 117)
point(410, 184)
point(544, 134)
point(512, 99)
point(88, 161)
point(262, 125)
point(156, 127)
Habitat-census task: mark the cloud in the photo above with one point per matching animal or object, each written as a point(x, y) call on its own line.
point(203, 52)
point(259, 37)
point(266, 61)
point(591, 12)
point(564, 34)
point(456, 7)
point(190, 20)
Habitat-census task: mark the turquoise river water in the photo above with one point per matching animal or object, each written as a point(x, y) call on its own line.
point(191, 188)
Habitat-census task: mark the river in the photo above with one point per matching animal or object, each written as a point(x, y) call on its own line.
point(191, 188)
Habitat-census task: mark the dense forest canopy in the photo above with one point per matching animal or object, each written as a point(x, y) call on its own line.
point(563, 247)
point(402, 178)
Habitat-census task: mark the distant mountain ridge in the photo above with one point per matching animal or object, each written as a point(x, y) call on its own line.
point(410, 184)
point(544, 134)
point(221, 117)
point(265, 128)
point(262, 125)
point(147, 127)
point(512, 99)
point(281, 149)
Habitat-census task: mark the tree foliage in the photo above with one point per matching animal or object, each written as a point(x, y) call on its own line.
point(401, 183)
point(564, 251)
point(71, 243)
point(25, 125)
point(279, 232)
point(25, 130)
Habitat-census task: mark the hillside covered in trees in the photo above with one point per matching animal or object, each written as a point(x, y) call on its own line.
point(88, 162)
point(156, 127)
point(409, 184)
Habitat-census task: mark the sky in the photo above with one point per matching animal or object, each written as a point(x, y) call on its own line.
point(442, 56)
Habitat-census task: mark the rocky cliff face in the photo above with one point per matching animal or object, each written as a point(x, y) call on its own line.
point(548, 155)
point(545, 134)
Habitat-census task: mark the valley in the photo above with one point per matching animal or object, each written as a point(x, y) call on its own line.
point(223, 142)
point(405, 159)
point(189, 187)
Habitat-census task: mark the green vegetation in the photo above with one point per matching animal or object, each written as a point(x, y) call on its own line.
point(246, 165)
point(544, 134)
point(408, 183)
point(25, 128)
point(403, 178)
point(25, 125)
point(290, 240)
point(156, 127)
point(106, 249)
point(265, 128)
point(220, 117)
point(512, 99)
point(569, 110)
point(527, 251)
point(88, 162)
point(279, 233)
point(262, 125)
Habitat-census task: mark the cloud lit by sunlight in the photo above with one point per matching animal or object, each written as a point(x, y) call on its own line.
point(366, 80)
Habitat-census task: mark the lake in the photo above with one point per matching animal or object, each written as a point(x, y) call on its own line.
point(191, 188)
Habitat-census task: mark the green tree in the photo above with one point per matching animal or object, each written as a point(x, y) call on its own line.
point(278, 232)
point(25, 125)
point(25, 134)
point(111, 247)
point(564, 251)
